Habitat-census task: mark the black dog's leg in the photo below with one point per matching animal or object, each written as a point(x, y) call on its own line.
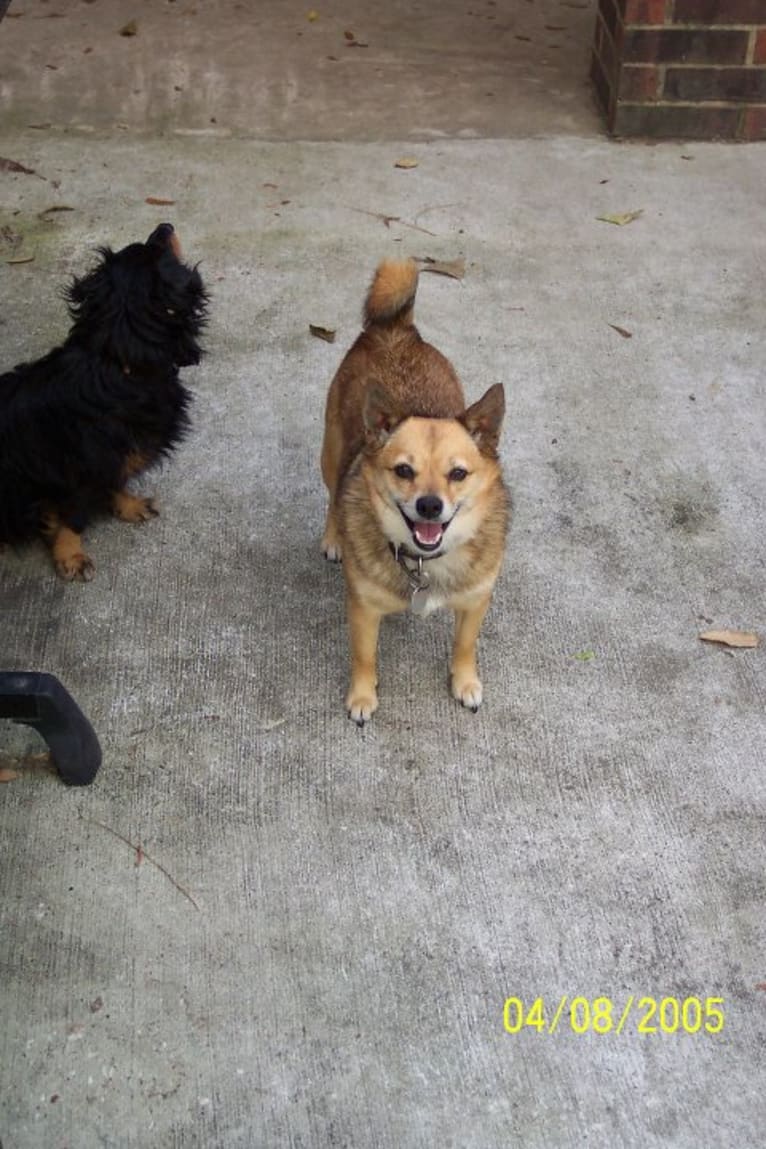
point(132, 508)
point(69, 556)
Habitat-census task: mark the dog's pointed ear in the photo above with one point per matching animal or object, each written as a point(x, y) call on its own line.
point(381, 415)
point(484, 419)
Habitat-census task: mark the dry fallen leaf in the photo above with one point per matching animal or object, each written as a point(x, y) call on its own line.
point(272, 724)
point(21, 259)
point(54, 208)
point(312, 15)
point(621, 218)
point(129, 29)
point(621, 331)
point(13, 166)
point(454, 268)
point(325, 333)
point(406, 162)
point(349, 35)
point(29, 762)
point(740, 638)
point(158, 201)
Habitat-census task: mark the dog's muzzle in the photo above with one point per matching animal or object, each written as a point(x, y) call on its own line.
point(427, 531)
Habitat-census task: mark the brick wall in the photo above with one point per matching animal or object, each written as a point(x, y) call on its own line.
point(693, 69)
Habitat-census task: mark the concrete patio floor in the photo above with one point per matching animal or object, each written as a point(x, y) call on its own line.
point(314, 944)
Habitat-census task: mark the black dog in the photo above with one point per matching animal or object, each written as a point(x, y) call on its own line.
point(106, 405)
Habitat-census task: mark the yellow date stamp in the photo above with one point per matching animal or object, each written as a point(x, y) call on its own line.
point(641, 1015)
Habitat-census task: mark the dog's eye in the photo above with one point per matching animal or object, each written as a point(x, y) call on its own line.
point(404, 471)
point(457, 474)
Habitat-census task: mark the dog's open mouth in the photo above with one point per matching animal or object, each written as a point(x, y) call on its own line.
point(427, 534)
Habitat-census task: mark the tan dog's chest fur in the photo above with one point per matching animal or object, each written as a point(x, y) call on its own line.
point(418, 509)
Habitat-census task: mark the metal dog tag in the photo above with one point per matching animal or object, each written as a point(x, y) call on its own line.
point(418, 580)
point(419, 600)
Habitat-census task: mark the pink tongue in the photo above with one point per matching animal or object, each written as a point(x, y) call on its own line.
point(428, 533)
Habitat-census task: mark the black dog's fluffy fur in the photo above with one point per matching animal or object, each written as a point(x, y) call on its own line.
point(107, 404)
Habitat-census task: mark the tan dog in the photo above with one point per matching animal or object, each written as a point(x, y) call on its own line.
point(418, 509)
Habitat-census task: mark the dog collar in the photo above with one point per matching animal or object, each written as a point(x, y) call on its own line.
point(401, 553)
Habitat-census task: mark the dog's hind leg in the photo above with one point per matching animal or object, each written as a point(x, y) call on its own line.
point(69, 558)
point(331, 448)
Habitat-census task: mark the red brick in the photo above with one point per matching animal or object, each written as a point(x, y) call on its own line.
point(719, 12)
point(667, 121)
point(639, 83)
point(645, 12)
point(753, 125)
point(685, 46)
point(759, 56)
point(741, 85)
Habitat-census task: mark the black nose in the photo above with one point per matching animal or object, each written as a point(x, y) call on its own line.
point(161, 235)
point(429, 506)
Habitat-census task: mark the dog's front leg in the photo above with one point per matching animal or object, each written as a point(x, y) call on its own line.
point(466, 685)
point(69, 557)
point(331, 548)
point(133, 508)
point(364, 626)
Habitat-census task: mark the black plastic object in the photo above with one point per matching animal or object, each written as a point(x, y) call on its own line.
point(39, 700)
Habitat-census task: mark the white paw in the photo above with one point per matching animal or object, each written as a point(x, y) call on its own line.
point(331, 551)
point(361, 706)
point(468, 691)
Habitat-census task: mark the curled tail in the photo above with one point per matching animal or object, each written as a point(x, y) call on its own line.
point(391, 297)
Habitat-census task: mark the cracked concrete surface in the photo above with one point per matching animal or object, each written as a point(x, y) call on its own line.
point(318, 942)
